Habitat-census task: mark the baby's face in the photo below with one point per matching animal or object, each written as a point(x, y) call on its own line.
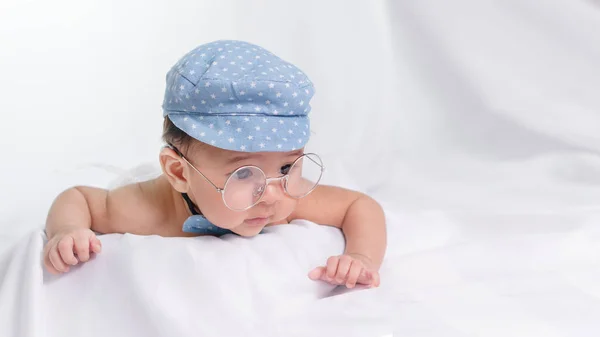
point(218, 165)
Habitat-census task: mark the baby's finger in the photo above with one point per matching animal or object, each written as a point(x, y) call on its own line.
point(316, 273)
point(342, 269)
point(82, 247)
point(353, 274)
point(376, 279)
point(65, 248)
point(95, 245)
point(48, 263)
point(365, 277)
point(332, 265)
point(57, 262)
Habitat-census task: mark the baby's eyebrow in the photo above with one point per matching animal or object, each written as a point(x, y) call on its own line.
point(242, 157)
point(236, 159)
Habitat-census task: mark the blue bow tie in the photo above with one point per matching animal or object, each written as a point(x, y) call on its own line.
point(200, 225)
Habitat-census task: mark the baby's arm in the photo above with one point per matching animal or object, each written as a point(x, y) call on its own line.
point(363, 223)
point(79, 211)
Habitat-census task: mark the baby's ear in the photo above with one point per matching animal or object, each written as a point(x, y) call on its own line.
point(173, 167)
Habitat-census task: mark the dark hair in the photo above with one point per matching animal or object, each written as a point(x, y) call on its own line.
point(175, 136)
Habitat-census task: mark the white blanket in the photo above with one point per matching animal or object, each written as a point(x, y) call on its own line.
point(155, 286)
point(435, 282)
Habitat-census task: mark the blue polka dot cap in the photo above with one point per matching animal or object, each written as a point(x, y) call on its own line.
point(238, 96)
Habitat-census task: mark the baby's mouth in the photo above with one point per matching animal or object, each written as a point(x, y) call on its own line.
point(258, 221)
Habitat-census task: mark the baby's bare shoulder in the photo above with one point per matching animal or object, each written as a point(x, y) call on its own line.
point(143, 208)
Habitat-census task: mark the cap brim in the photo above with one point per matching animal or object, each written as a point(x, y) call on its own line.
point(251, 133)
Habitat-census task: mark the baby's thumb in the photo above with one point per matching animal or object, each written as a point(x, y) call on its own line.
point(316, 273)
point(365, 277)
point(95, 244)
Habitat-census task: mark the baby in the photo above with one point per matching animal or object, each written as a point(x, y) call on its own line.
point(235, 127)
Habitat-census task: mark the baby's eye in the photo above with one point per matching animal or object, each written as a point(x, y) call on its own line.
point(285, 169)
point(244, 173)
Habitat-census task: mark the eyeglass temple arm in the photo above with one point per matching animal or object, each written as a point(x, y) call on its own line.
point(320, 165)
point(172, 147)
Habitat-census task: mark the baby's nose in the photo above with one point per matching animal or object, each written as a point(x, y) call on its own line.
point(273, 191)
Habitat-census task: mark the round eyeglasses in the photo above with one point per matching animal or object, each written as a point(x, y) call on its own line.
point(246, 186)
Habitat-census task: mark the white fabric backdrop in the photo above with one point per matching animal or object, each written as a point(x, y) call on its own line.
point(475, 104)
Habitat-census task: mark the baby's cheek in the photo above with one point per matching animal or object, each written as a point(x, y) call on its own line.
point(230, 221)
point(284, 210)
point(222, 216)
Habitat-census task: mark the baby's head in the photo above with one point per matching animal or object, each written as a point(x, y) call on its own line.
point(235, 115)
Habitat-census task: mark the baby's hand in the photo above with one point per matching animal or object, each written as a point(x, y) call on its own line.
point(61, 249)
point(348, 269)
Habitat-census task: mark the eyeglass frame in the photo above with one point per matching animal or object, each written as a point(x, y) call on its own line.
point(267, 180)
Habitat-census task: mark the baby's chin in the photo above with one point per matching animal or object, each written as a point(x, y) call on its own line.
point(247, 231)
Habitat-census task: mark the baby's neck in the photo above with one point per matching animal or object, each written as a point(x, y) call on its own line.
point(173, 205)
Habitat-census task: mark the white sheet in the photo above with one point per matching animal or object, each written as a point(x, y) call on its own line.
point(154, 286)
point(542, 284)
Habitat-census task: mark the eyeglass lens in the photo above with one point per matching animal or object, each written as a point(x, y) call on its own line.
point(245, 187)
